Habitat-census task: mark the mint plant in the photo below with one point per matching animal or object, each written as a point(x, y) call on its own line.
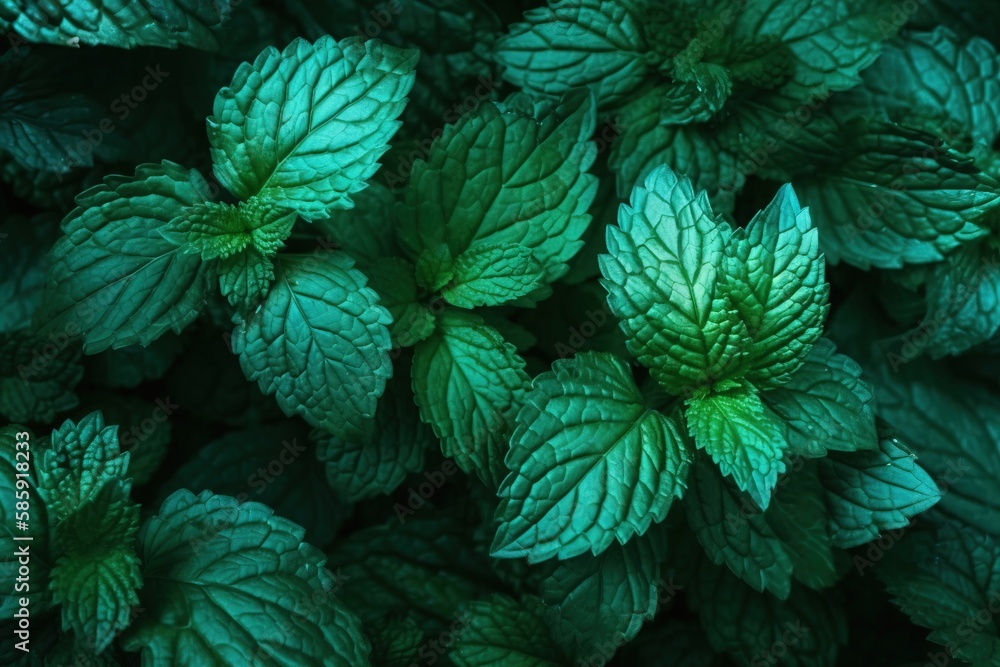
point(580, 332)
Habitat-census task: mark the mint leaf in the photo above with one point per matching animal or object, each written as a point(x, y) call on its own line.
point(503, 631)
point(395, 281)
point(338, 106)
point(365, 232)
point(745, 439)
point(507, 172)
point(735, 533)
point(774, 277)
point(574, 43)
point(96, 577)
point(590, 463)
point(466, 381)
point(165, 23)
point(869, 493)
point(248, 583)
point(37, 376)
point(319, 342)
point(244, 279)
point(216, 230)
point(661, 274)
point(807, 629)
point(272, 464)
point(84, 457)
point(392, 447)
point(826, 405)
point(596, 601)
point(113, 277)
point(492, 275)
point(943, 579)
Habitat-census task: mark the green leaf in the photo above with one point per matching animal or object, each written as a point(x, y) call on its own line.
point(503, 631)
point(644, 143)
point(826, 405)
point(798, 517)
point(23, 243)
point(245, 278)
point(467, 381)
point(953, 427)
point(165, 23)
point(945, 579)
point(338, 105)
point(319, 342)
point(868, 493)
point(774, 277)
point(829, 41)
point(745, 439)
point(129, 367)
point(395, 281)
point(365, 232)
point(392, 447)
point(661, 274)
point(806, 630)
point(893, 196)
point(598, 601)
point(396, 643)
point(114, 278)
point(37, 376)
point(248, 585)
point(492, 275)
point(271, 464)
point(97, 574)
point(590, 463)
point(421, 562)
point(574, 43)
point(507, 172)
point(216, 230)
point(83, 458)
point(946, 83)
point(735, 533)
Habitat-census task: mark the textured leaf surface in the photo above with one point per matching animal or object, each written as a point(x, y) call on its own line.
point(467, 381)
point(868, 493)
point(507, 172)
point(248, 585)
point(590, 463)
point(37, 376)
point(113, 277)
point(319, 342)
point(503, 631)
point(826, 405)
point(661, 274)
point(745, 439)
point(492, 275)
point(304, 128)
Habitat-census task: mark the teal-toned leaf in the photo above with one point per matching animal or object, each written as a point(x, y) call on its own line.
point(413, 318)
point(84, 457)
point(216, 230)
point(826, 405)
point(590, 463)
point(574, 43)
point(661, 274)
point(245, 278)
point(492, 275)
point(868, 493)
point(38, 375)
point(113, 277)
point(237, 566)
point(744, 438)
point(338, 105)
point(507, 172)
point(593, 602)
point(467, 382)
point(319, 342)
point(97, 575)
point(774, 278)
point(945, 579)
point(165, 23)
point(392, 447)
point(503, 631)
point(272, 464)
point(735, 533)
